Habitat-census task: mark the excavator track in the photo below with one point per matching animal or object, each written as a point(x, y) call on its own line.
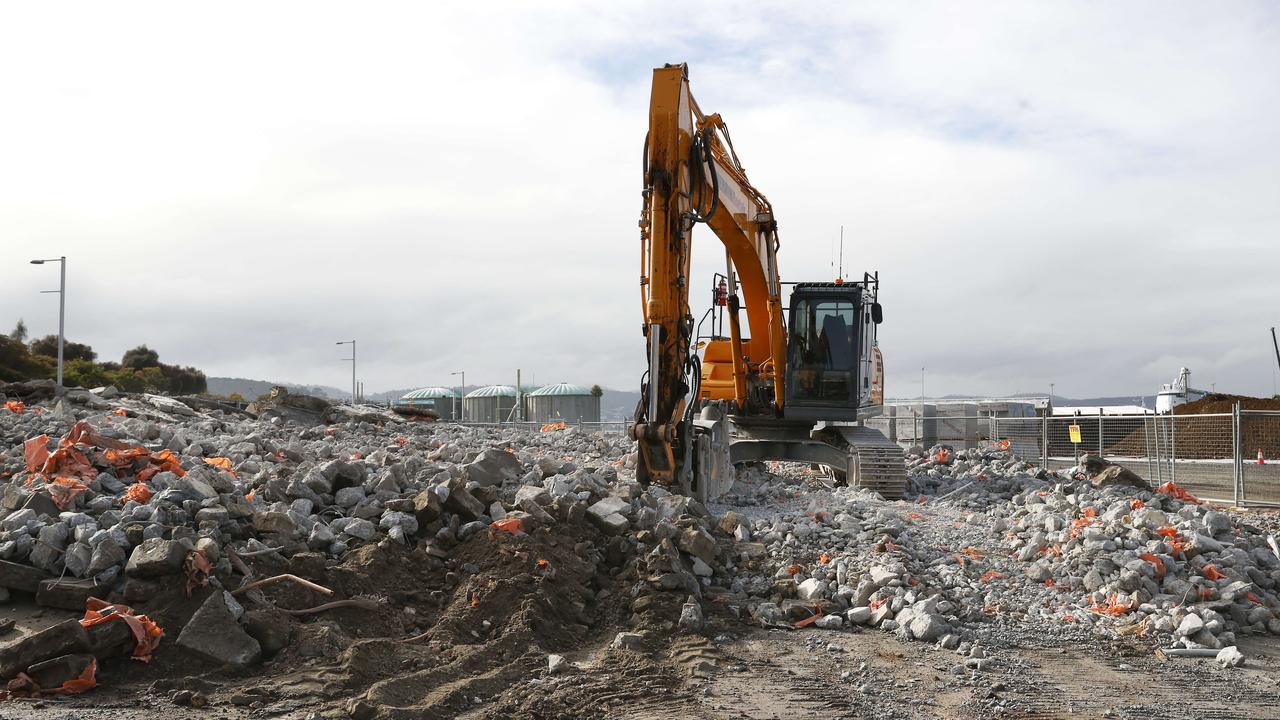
point(857, 455)
point(878, 464)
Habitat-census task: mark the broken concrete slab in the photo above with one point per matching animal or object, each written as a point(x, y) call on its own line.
point(61, 638)
point(156, 557)
point(493, 467)
point(52, 673)
point(213, 634)
point(68, 593)
point(21, 577)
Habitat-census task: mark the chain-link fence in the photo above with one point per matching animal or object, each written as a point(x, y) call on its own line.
point(1227, 457)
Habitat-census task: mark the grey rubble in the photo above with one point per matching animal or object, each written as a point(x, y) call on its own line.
point(1067, 556)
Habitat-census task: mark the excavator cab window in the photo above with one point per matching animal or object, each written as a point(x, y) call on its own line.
point(824, 352)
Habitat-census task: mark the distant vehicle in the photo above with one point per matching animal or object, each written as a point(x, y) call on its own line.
point(1179, 392)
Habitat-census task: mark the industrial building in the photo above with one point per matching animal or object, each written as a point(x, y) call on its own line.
point(562, 401)
point(445, 402)
point(490, 404)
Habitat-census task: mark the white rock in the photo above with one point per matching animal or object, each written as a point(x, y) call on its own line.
point(1229, 657)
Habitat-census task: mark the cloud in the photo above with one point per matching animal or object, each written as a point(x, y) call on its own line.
point(1075, 194)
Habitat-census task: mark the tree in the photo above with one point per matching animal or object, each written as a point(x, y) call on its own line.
point(140, 357)
point(19, 332)
point(48, 346)
point(17, 363)
point(235, 397)
point(85, 374)
point(596, 391)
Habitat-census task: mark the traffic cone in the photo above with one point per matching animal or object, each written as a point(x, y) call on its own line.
point(1261, 461)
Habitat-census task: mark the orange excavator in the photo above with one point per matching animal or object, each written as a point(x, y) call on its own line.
point(801, 381)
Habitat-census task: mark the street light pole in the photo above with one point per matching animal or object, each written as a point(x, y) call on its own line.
point(922, 384)
point(463, 415)
point(62, 307)
point(352, 343)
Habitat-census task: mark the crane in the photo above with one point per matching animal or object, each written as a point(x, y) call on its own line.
point(795, 383)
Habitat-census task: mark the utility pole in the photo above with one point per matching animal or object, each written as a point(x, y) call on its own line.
point(463, 392)
point(922, 384)
point(352, 343)
point(62, 307)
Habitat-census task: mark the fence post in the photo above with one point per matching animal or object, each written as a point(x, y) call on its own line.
point(1155, 429)
point(1236, 454)
point(1146, 446)
point(1044, 440)
point(1173, 447)
point(1099, 431)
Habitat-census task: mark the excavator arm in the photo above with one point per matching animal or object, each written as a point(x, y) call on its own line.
point(692, 175)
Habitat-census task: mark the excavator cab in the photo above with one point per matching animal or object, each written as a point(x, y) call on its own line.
point(832, 330)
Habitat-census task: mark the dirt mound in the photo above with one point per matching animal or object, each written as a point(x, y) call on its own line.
point(1208, 438)
point(470, 625)
point(1222, 403)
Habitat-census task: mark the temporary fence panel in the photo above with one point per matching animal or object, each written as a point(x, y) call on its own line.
point(1259, 457)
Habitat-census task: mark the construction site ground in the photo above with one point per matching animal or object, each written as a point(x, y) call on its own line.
point(732, 670)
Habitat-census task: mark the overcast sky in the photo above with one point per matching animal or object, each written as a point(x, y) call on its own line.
point(1079, 193)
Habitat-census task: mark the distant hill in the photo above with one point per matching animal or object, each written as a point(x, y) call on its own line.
point(251, 389)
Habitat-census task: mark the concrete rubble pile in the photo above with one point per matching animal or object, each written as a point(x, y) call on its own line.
point(1090, 547)
point(113, 496)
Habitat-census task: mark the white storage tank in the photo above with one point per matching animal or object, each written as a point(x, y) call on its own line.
point(563, 401)
point(490, 404)
point(445, 402)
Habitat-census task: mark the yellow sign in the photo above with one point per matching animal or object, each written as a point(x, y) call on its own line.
point(1075, 433)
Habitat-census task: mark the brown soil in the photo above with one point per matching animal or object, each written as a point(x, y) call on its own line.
point(1210, 438)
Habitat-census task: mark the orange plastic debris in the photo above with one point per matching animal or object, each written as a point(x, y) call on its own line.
point(221, 463)
point(25, 686)
point(64, 490)
point(915, 516)
point(251, 494)
point(824, 559)
point(1002, 445)
point(1174, 539)
point(817, 613)
point(146, 633)
point(121, 412)
point(1211, 572)
point(1136, 504)
point(16, 407)
point(1253, 598)
point(511, 525)
point(794, 569)
point(36, 451)
point(990, 575)
point(402, 441)
point(878, 602)
point(137, 492)
point(1157, 562)
point(943, 456)
point(1114, 606)
point(197, 568)
point(1175, 491)
point(972, 552)
point(543, 562)
point(552, 427)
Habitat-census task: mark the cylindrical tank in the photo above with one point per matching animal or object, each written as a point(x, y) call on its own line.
point(490, 404)
point(562, 401)
point(445, 402)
